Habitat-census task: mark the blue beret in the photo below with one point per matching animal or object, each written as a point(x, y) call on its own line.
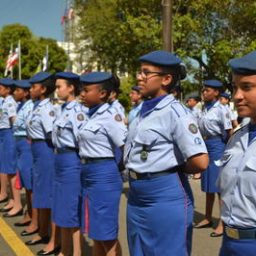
point(136, 88)
point(193, 96)
point(225, 95)
point(161, 58)
point(245, 65)
point(39, 77)
point(95, 77)
point(8, 82)
point(67, 75)
point(25, 84)
point(213, 83)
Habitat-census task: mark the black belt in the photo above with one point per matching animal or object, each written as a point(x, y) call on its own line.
point(237, 233)
point(149, 175)
point(65, 150)
point(87, 160)
point(20, 137)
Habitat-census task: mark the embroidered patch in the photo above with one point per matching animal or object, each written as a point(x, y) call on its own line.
point(51, 113)
point(80, 117)
point(193, 128)
point(198, 141)
point(118, 118)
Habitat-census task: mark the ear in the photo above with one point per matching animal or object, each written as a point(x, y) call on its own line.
point(103, 94)
point(167, 79)
point(43, 89)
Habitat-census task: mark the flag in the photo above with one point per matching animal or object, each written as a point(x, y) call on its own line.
point(12, 60)
point(64, 16)
point(45, 60)
point(71, 13)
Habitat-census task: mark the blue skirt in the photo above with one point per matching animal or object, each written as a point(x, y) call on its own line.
point(215, 148)
point(234, 247)
point(24, 162)
point(66, 209)
point(158, 217)
point(43, 173)
point(102, 188)
point(7, 152)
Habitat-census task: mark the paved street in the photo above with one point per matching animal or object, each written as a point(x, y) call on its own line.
point(203, 244)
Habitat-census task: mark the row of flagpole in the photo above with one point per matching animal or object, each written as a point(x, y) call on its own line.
point(14, 58)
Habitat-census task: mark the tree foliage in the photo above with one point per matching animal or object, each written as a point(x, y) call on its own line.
point(206, 32)
point(32, 50)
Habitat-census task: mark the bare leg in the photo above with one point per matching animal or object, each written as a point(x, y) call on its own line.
point(54, 239)
point(98, 249)
point(77, 237)
point(4, 185)
point(112, 248)
point(219, 228)
point(65, 241)
point(17, 206)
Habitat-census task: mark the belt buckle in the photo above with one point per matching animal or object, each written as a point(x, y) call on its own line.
point(232, 233)
point(133, 175)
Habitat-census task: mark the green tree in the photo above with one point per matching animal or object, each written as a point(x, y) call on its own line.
point(32, 50)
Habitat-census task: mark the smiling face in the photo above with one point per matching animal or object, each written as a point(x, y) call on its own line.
point(245, 95)
point(152, 81)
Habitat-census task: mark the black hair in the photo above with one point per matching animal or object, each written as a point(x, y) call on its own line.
point(178, 72)
point(49, 84)
point(75, 83)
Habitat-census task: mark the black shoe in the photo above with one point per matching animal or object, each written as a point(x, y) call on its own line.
point(5, 209)
point(52, 252)
point(19, 213)
point(43, 240)
point(214, 234)
point(23, 224)
point(207, 225)
point(25, 233)
point(4, 200)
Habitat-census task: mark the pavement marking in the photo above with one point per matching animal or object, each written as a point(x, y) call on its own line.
point(13, 240)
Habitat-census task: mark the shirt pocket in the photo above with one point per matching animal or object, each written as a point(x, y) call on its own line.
point(92, 128)
point(147, 137)
point(248, 185)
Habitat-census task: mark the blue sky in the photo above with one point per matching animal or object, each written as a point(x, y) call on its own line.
point(43, 17)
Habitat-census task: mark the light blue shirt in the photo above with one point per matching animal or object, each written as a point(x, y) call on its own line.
point(116, 105)
point(65, 128)
point(163, 139)
point(134, 112)
point(101, 133)
point(7, 110)
point(215, 121)
point(196, 113)
point(40, 120)
point(19, 125)
point(237, 181)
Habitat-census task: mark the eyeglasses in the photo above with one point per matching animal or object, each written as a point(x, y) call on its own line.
point(145, 73)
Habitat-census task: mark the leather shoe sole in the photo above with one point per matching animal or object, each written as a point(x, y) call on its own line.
point(52, 252)
point(43, 240)
point(25, 233)
point(207, 225)
point(23, 224)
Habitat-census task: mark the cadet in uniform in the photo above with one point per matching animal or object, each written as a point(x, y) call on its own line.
point(163, 143)
point(103, 131)
point(67, 182)
point(237, 180)
point(7, 146)
point(215, 126)
point(136, 101)
point(23, 145)
point(225, 100)
point(39, 128)
point(192, 103)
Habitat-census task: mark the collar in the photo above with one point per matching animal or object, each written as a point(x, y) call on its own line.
point(43, 102)
point(70, 104)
